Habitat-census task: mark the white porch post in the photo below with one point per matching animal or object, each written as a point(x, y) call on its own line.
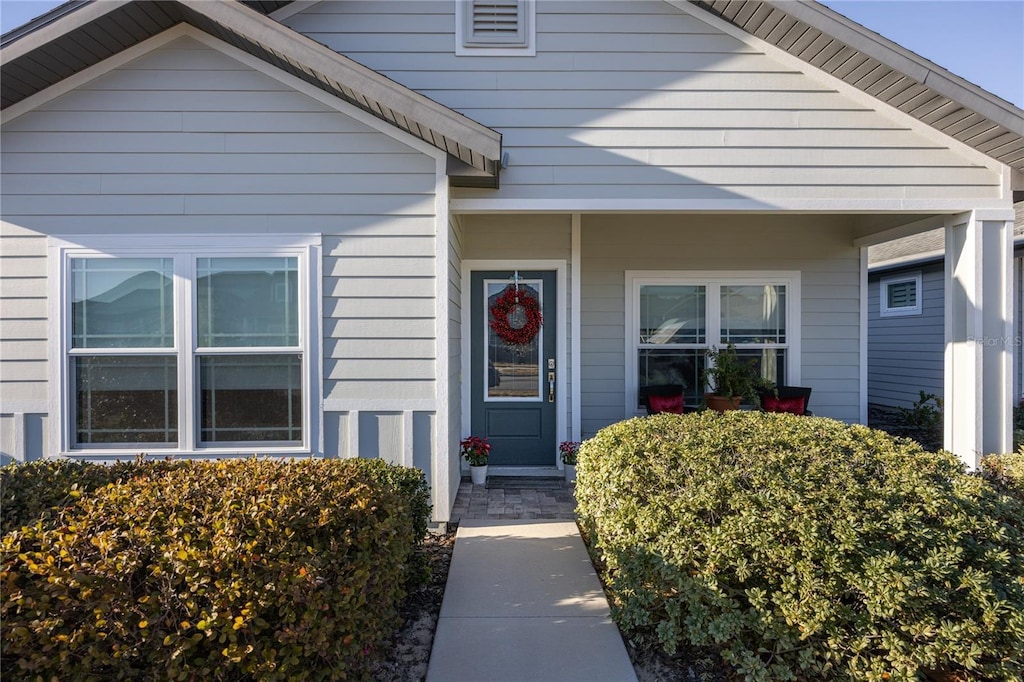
point(978, 358)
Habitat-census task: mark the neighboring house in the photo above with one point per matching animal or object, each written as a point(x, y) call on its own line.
point(906, 314)
point(281, 227)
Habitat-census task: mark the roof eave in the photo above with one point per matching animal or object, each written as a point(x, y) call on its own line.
point(473, 144)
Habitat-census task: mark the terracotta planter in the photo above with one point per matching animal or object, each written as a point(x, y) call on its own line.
point(720, 403)
point(478, 474)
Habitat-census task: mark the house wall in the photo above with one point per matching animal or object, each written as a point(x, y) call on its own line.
point(186, 139)
point(816, 246)
point(639, 100)
point(905, 353)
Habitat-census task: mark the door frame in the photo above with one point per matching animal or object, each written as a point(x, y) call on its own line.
point(561, 332)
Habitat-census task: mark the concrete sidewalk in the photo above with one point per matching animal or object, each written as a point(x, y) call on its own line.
point(523, 604)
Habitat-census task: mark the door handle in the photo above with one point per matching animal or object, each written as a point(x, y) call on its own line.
point(551, 387)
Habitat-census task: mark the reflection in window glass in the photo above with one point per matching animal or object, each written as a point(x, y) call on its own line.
point(513, 371)
point(672, 367)
point(125, 399)
point(251, 398)
point(122, 303)
point(672, 314)
point(753, 314)
point(247, 302)
point(770, 363)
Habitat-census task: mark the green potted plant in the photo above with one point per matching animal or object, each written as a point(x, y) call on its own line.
point(732, 380)
point(476, 450)
point(568, 450)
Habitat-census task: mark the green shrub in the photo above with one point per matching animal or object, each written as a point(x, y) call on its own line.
point(246, 569)
point(35, 491)
point(1006, 472)
point(804, 548)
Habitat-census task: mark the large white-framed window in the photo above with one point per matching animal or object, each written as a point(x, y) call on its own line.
point(186, 344)
point(674, 318)
point(900, 295)
point(495, 28)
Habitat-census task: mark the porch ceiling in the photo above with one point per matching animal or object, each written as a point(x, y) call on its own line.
point(82, 33)
point(840, 47)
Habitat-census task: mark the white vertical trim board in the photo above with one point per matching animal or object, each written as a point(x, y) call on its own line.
point(575, 360)
point(863, 344)
point(443, 490)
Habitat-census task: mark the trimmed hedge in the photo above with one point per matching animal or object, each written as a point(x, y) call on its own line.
point(803, 548)
point(245, 569)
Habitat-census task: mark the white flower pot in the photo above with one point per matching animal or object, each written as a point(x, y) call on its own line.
point(570, 473)
point(478, 474)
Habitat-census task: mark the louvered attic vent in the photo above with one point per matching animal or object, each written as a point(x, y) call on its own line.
point(494, 27)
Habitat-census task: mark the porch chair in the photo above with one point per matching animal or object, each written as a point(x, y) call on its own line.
point(663, 398)
point(792, 399)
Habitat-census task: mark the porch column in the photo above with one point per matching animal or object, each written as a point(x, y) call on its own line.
point(979, 329)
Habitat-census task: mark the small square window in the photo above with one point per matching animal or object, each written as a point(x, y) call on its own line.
point(900, 295)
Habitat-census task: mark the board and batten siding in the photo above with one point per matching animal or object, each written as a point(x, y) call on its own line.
point(185, 139)
point(638, 99)
point(905, 352)
point(819, 247)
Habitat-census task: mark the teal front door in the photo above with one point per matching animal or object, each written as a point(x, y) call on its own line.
point(513, 365)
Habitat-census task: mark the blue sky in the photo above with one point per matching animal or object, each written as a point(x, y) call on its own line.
point(979, 40)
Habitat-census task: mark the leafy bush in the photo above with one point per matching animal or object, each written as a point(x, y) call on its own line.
point(804, 548)
point(213, 570)
point(1006, 472)
point(922, 421)
point(35, 491)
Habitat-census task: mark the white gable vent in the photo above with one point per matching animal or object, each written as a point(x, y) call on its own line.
point(494, 27)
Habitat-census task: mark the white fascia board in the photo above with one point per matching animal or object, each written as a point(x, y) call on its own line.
point(841, 86)
point(569, 205)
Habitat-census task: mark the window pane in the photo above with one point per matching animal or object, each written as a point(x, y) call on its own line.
point(672, 367)
point(770, 363)
point(245, 302)
point(754, 314)
point(513, 371)
point(672, 314)
point(251, 398)
point(125, 399)
point(122, 303)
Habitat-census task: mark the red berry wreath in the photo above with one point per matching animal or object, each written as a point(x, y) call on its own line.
point(520, 304)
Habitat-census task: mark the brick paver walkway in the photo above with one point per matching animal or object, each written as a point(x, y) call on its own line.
point(506, 497)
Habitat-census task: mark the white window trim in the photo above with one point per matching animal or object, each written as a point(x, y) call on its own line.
point(61, 250)
point(638, 278)
point(465, 47)
point(883, 295)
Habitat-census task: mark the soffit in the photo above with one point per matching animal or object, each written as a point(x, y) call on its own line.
point(844, 49)
point(82, 33)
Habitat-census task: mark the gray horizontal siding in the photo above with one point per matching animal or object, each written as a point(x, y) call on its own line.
point(186, 140)
point(816, 246)
point(638, 99)
point(905, 353)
